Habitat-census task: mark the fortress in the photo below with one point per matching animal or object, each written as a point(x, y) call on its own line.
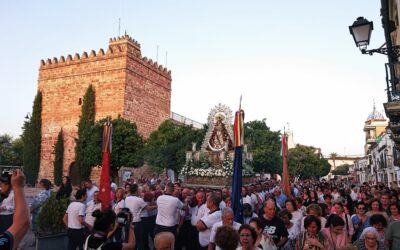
point(125, 83)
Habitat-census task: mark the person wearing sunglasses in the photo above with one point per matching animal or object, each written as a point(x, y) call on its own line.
point(360, 220)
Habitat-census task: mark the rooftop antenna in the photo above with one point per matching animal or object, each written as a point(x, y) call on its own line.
point(374, 104)
point(157, 53)
point(166, 59)
point(119, 26)
point(240, 102)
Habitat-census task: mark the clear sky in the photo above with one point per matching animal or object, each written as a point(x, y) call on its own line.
point(293, 61)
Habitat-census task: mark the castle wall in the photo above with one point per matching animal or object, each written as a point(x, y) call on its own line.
point(125, 84)
point(147, 97)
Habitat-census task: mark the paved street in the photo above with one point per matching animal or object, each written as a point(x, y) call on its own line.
point(29, 239)
point(27, 242)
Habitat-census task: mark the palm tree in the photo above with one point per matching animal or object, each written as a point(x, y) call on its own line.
point(333, 157)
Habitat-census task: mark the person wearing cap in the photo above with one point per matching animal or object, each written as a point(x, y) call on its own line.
point(6, 202)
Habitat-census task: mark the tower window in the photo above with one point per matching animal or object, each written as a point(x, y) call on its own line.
point(80, 101)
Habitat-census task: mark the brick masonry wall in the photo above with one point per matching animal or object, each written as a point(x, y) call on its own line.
point(125, 84)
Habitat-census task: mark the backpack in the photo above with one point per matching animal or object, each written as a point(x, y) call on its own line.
point(85, 246)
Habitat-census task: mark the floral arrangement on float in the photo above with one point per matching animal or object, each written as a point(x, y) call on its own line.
point(203, 168)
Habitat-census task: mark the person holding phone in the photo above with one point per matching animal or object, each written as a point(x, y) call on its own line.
point(11, 238)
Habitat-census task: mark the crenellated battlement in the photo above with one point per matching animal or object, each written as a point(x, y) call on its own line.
point(126, 84)
point(119, 46)
point(124, 39)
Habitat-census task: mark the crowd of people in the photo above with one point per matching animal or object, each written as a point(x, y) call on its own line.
point(158, 214)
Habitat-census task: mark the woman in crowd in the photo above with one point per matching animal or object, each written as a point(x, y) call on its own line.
point(293, 229)
point(379, 222)
point(334, 232)
point(306, 197)
point(261, 241)
point(375, 207)
point(394, 209)
point(364, 197)
point(65, 189)
point(348, 226)
point(394, 197)
point(360, 220)
point(316, 211)
point(226, 238)
point(247, 237)
point(313, 197)
point(39, 200)
point(299, 205)
point(311, 238)
point(369, 240)
point(349, 204)
point(119, 201)
point(296, 215)
point(104, 225)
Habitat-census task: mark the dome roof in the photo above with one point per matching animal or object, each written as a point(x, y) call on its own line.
point(375, 115)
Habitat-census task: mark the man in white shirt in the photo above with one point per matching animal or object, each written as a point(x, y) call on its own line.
point(91, 206)
point(205, 224)
point(74, 220)
point(335, 194)
point(353, 193)
point(246, 198)
point(197, 212)
point(227, 217)
point(183, 240)
point(136, 204)
point(167, 207)
point(90, 189)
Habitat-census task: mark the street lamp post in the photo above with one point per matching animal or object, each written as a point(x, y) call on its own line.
point(361, 31)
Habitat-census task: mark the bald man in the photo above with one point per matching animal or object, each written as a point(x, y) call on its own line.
point(273, 225)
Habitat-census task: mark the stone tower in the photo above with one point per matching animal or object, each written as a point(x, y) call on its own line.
point(125, 84)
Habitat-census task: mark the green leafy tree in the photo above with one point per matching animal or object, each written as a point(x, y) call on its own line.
point(50, 219)
point(127, 145)
point(265, 146)
point(10, 151)
point(58, 158)
point(17, 148)
point(333, 156)
point(304, 161)
point(341, 170)
point(166, 147)
point(6, 153)
point(83, 162)
point(31, 138)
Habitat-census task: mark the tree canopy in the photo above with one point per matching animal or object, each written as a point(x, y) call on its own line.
point(341, 170)
point(10, 150)
point(166, 146)
point(265, 146)
point(127, 145)
point(83, 151)
point(58, 158)
point(305, 162)
point(32, 138)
